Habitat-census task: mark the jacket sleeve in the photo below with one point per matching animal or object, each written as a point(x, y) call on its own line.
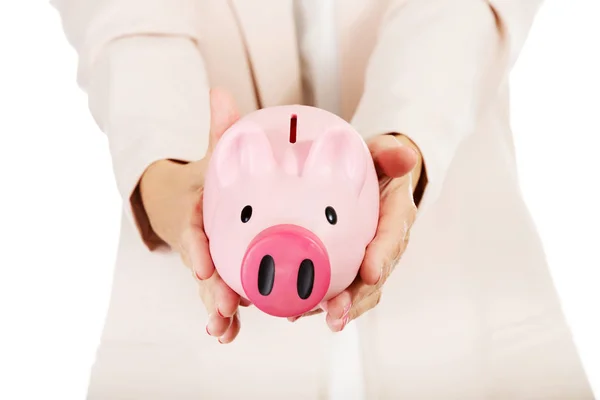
point(436, 65)
point(146, 84)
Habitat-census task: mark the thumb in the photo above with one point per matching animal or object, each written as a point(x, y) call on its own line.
point(223, 114)
point(392, 158)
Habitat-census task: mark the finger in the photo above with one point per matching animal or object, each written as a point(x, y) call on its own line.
point(339, 306)
point(197, 253)
point(359, 308)
point(219, 298)
point(366, 304)
point(313, 312)
point(223, 114)
point(308, 314)
point(233, 330)
point(391, 157)
point(397, 214)
point(217, 326)
point(221, 303)
point(245, 303)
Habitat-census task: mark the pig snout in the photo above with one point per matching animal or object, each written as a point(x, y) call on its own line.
point(286, 271)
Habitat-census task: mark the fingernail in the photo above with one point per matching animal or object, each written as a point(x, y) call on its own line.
point(293, 319)
point(219, 340)
point(197, 276)
point(208, 331)
point(219, 313)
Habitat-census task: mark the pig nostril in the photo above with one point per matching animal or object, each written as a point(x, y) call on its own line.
point(266, 275)
point(306, 279)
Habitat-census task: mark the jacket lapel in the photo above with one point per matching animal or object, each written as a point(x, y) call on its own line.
point(268, 29)
point(358, 23)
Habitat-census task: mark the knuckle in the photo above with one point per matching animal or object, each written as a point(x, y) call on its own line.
point(366, 304)
point(377, 297)
point(355, 312)
point(393, 259)
point(381, 282)
point(402, 245)
point(398, 252)
point(385, 273)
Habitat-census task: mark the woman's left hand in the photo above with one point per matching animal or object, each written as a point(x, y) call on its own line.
point(398, 165)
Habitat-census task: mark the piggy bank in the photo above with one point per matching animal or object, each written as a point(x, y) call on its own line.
point(291, 200)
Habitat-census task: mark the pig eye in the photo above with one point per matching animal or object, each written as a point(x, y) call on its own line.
point(331, 215)
point(246, 214)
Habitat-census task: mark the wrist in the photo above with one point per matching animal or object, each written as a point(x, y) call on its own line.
point(161, 187)
point(158, 172)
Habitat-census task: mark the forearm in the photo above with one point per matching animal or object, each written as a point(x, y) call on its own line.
point(150, 97)
point(146, 83)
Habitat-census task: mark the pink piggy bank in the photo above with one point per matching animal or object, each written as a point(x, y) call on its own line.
point(291, 200)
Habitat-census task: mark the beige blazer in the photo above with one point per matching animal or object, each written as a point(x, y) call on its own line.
point(434, 68)
point(469, 313)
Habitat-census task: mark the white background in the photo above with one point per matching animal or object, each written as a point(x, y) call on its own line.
point(59, 208)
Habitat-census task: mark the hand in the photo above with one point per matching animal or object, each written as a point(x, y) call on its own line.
point(398, 165)
point(172, 196)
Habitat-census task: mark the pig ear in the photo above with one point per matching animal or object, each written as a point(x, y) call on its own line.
point(338, 153)
point(243, 151)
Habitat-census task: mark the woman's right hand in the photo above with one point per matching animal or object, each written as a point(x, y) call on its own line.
point(171, 193)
